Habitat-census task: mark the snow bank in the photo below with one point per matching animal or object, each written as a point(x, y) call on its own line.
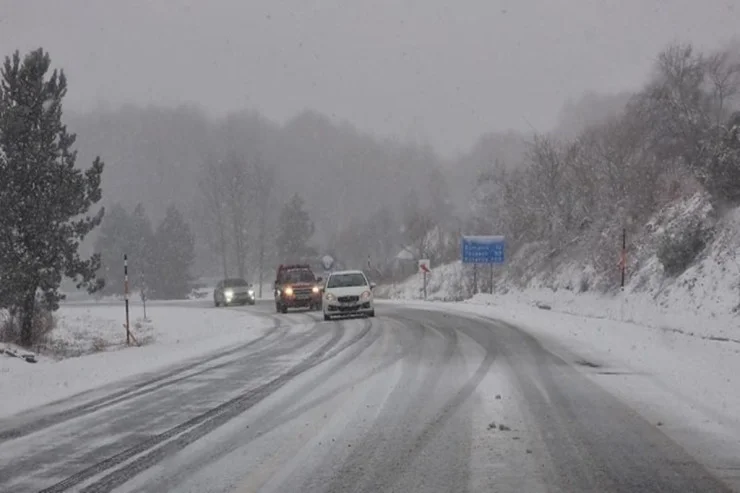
point(173, 334)
point(704, 300)
point(444, 283)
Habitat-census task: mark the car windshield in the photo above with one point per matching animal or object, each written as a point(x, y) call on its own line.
point(235, 283)
point(298, 276)
point(347, 280)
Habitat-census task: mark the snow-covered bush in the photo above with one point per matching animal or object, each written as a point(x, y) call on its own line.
point(678, 249)
point(10, 326)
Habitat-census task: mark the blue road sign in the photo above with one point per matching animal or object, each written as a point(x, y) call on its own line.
point(483, 249)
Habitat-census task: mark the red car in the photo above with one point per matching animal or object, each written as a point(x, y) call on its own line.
point(296, 286)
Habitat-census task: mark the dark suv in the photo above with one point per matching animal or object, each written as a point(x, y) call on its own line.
point(296, 286)
point(232, 292)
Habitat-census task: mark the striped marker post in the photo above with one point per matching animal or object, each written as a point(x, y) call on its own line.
point(125, 296)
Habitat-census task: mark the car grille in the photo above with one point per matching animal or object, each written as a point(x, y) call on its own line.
point(348, 299)
point(303, 292)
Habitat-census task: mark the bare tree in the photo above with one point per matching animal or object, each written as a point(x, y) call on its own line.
point(237, 174)
point(723, 78)
point(263, 184)
point(418, 224)
point(212, 185)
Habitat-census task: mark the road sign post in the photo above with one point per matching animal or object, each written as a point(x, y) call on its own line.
point(483, 250)
point(424, 268)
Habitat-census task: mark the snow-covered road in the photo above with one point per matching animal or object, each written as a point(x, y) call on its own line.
point(414, 400)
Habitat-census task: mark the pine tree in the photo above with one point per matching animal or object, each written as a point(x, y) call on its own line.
point(174, 256)
point(296, 230)
point(111, 246)
point(122, 234)
point(141, 249)
point(44, 199)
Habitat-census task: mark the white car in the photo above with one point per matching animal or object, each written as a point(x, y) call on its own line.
point(348, 292)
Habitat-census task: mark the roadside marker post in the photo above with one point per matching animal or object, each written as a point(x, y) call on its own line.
point(623, 257)
point(424, 267)
point(125, 297)
point(623, 272)
point(483, 250)
point(143, 295)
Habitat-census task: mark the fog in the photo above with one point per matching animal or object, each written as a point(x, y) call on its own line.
point(369, 110)
point(435, 71)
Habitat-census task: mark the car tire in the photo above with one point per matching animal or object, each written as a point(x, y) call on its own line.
point(217, 304)
point(371, 314)
point(284, 309)
point(327, 318)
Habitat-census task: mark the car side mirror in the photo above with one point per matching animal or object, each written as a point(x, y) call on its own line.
point(372, 285)
point(319, 280)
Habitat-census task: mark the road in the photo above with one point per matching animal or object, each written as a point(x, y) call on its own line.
point(410, 401)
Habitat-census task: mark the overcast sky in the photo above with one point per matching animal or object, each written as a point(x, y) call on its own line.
point(438, 71)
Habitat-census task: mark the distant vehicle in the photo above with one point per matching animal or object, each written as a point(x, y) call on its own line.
point(233, 291)
point(348, 292)
point(296, 286)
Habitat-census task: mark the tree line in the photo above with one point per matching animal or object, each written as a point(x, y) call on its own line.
point(159, 259)
point(49, 206)
point(552, 192)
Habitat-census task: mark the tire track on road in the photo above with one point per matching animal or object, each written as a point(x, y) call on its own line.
point(613, 448)
point(28, 462)
point(394, 467)
point(591, 440)
point(138, 389)
point(280, 412)
point(391, 431)
point(400, 453)
point(182, 435)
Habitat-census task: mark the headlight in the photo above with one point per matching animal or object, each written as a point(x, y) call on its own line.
point(250, 292)
point(289, 291)
point(315, 289)
point(330, 297)
point(228, 293)
point(366, 295)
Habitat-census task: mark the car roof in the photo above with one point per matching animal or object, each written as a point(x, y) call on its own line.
point(340, 272)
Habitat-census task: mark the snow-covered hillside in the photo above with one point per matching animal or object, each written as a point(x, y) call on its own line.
point(702, 300)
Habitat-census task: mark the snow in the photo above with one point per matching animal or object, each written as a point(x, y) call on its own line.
point(670, 345)
point(703, 301)
point(486, 239)
point(443, 283)
point(690, 385)
point(171, 334)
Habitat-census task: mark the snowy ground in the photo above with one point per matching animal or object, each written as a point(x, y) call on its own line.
point(171, 333)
